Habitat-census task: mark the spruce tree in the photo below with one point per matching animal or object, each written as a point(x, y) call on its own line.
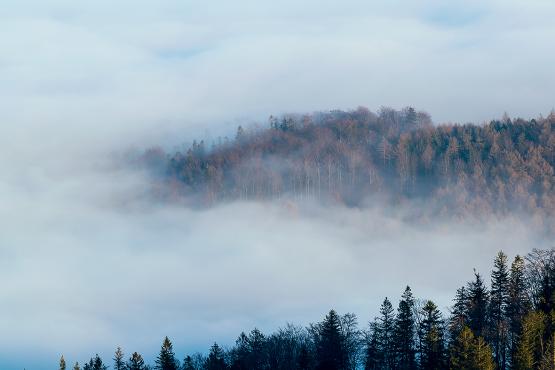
point(477, 306)
point(459, 314)
point(330, 349)
point(303, 360)
point(462, 348)
point(62, 363)
point(498, 310)
point(404, 331)
point(518, 306)
point(136, 362)
point(386, 327)
point(215, 360)
point(257, 358)
point(76, 366)
point(119, 362)
point(166, 359)
point(431, 338)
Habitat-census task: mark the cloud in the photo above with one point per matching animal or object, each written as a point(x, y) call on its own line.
point(88, 264)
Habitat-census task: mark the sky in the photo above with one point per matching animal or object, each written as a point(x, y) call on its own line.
point(88, 264)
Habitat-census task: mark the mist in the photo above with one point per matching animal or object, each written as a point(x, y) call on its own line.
point(89, 261)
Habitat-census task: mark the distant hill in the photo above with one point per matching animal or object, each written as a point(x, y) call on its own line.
point(354, 157)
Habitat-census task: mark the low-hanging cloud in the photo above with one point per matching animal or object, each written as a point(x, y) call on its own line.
point(89, 263)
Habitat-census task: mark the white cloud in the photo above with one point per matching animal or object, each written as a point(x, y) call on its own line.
point(84, 268)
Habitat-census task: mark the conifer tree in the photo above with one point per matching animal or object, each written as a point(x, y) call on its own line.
point(431, 337)
point(531, 346)
point(76, 366)
point(136, 362)
point(404, 331)
point(518, 306)
point(95, 364)
point(459, 314)
point(477, 306)
point(62, 363)
point(330, 349)
point(462, 348)
point(498, 310)
point(386, 327)
point(166, 359)
point(215, 360)
point(119, 362)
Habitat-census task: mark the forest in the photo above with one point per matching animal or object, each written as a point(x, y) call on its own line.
point(506, 324)
point(357, 157)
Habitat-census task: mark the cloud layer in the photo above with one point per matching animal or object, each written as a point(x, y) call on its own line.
point(87, 264)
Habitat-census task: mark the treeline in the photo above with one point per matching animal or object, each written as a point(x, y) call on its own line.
point(508, 325)
point(350, 156)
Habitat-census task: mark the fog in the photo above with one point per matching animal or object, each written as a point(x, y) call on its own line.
point(90, 262)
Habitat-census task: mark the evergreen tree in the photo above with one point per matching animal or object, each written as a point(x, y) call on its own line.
point(136, 362)
point(330, 354)
point(477, 305)
point(531, 346)
point(76, 366)
point(166, 359)
point(431, 337)
point(518, 306)
point(119, 362)
point(256, 343)
point(459, 313)
point(215, 360)
point(498, 310)
point(404, 331)
point(62, 363)
point(386, 327)
point(95, 363)
point(461, 354)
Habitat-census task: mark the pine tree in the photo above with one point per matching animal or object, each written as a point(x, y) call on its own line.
point(431, 336)
point(459, 314)
point(95, 364)
point(136, 362)
point(477, 306)
point(498, 306)
point(330, 349)
point(483, 355)
point(386, 327)
point(518, 306)
point(119, 363)
point(404, 331)
point(166, 359)
point(215, 360)
point(62, 363)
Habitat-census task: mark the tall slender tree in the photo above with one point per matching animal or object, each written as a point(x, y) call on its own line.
point(518, 306)
point(215, 360)
point(386, 328)
point(431, 338)
point(119, 362)
point(330, 353)
point(62, 363)
point(404, 332)
point(166, 358)
point(498, 310)
point(478, 298)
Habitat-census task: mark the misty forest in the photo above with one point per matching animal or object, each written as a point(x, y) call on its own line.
point(358, 157)
point(503, 321)
point(506, 324)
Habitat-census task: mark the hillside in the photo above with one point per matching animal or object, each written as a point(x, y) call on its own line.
point(355, 157)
